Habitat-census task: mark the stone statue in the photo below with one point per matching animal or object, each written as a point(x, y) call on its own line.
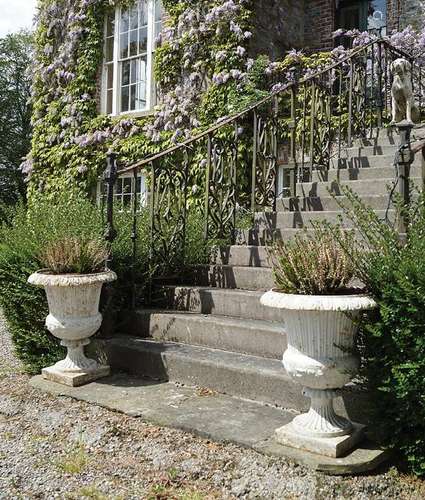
point(403, 101)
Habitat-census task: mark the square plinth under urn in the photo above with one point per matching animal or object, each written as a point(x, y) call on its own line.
point(334, 447)
point(75, 379)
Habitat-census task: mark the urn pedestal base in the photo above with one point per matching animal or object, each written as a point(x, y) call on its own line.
point(76, 369)
point(333, 447)
point(75, 379)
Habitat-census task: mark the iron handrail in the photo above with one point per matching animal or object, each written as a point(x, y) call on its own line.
point(232, 118)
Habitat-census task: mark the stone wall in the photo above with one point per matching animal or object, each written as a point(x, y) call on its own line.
point(279, 26)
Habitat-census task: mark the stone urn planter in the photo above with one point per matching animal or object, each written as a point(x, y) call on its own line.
point(73, 317)
point(321, 332)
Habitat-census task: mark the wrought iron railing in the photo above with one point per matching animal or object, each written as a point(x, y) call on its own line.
point(252, 158)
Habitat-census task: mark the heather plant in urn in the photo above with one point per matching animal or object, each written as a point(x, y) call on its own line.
point(314, 276)
point(73, 275)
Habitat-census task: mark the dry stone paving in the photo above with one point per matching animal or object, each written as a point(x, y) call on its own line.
point(61, 448)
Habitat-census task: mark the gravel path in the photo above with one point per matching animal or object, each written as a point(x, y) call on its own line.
point(60, 448)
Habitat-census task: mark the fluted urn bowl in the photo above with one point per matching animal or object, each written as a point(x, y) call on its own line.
point(321, 332)
point(74, 315)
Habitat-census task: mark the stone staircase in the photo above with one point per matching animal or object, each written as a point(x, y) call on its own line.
point(216, 334)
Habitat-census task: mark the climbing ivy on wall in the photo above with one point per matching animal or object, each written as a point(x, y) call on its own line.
point(200, 63)
point(202, 69)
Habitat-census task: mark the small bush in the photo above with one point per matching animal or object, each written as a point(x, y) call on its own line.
point(45, 236)
point(23, 239)
point(393, 337)
point(312, 263)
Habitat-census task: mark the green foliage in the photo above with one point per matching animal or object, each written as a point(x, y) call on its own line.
point(72, 255)
point(393, 339)
point(22, 240)
point(15, 113)
point(313, 263)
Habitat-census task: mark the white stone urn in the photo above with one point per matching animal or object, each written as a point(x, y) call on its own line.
point(74, 317)
point(321, 331)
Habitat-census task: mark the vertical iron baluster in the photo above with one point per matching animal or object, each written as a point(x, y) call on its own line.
point(254, 163)
point(293, 127)
point(134, 240)
point(329, 118)
point(312, 118)
point(152, 229)
point(185, 198)
point(110, 179)
point(350, 106)
point(234, 173)
point(386, 80)
point(207, 188)
point(379, 103)
point(372, 89)
point(340, 118)
point(275, 147)
point(304, 131)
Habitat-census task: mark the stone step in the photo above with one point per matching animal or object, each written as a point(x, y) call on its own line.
point(218, 301)
point(244, 336)
point(226, 276)
point(241, 255)
point(278, 221)
point(358, 151)
point(361, 187)
point(380, 140)
point(361, 173)
point(326, 203)
point(241, 375)
point(368, 161)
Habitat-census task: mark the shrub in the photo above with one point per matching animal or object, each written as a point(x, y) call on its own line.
point(312, 263)
point(23, 239)
point(393, 338)
point(33, 239)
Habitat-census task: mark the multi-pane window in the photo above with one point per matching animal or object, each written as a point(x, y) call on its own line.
point(130, 35)
point(125, 188)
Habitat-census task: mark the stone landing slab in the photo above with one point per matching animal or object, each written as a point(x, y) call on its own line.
point(214, 416)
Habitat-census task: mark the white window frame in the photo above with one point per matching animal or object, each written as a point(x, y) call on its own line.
point(117, 62)
point(119, 197)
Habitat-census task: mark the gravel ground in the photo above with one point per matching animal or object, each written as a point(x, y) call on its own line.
point(61, 448)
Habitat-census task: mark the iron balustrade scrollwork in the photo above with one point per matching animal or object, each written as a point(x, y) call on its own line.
point(249, 159)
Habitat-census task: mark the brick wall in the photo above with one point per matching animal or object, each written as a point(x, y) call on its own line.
point(319, 24)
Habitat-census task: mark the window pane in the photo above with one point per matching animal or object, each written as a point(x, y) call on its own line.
point(134, 70)
point(124, 45)
point(109, 76)
point(143, 12)
point(141, 95)
point(134, 18)
point(110, 24)
point(124, 21)
point(133, 97)
point(124, 98)
point(133, 43)
point(125, 74)
point(109, 55)
point(109, 102)
point(119, 186)
point(127, 185)
point(158, 28)
point(158, 10)
point(143, 40)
